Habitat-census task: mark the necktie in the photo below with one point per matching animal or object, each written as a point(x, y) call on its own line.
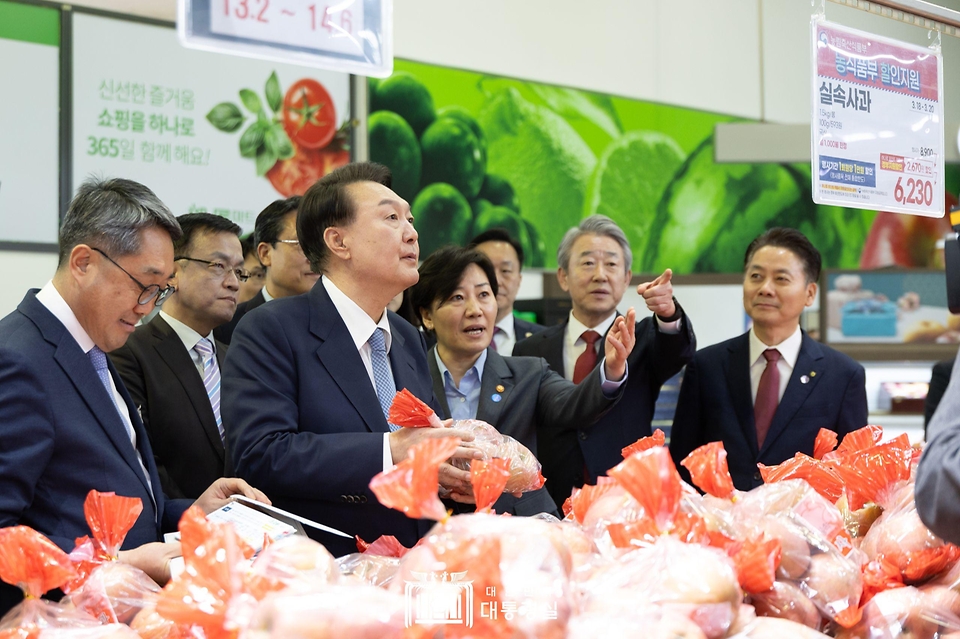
point(588, 359)
point(211, 378)
point(381, 373)
point(768, 395)
point(99, 360)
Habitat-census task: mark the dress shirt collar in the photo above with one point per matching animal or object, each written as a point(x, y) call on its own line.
point(575, 328)
point(507, 326)
point(187, 335)
point(789, 348)
point(50, 297)
point(445, 372)
point(359, 324)
point(267, 297)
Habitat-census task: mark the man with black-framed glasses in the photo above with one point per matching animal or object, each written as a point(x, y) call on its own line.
point(67, 423)
point(171, 364)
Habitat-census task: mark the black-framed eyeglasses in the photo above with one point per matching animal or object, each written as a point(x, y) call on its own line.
point(219, 268)
point(147, 293)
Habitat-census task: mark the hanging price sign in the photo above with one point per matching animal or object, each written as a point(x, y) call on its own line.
point(877, 122)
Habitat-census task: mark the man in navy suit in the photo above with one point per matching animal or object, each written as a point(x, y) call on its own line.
point(767, 393)
point(69, 425)
point(594, 267)
point(506, 253)
point(309, 379)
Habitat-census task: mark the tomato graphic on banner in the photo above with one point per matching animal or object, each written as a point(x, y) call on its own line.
point(294, 143)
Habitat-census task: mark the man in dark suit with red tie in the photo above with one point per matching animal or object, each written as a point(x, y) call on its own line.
point(594, 261)
point(767, 393)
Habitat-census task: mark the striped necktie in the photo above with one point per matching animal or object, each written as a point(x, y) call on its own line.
point(211, 378)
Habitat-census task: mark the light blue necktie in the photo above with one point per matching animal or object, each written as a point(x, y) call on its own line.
point(211, 378)
point(99, 360)
point(381, 373)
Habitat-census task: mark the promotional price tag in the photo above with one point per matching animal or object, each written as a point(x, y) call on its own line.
point(317, 25)
point(877, 129)
point(353, 36)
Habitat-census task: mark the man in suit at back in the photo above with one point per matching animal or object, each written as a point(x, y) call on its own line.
point(506, 253)
point(171, 365)
point(767, 393)
point(309, 379)
point(594, 267)
point(287, 271)
point(69, 425)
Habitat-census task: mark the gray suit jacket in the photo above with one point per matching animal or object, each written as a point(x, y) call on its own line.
point(937, 490)
point(535, 402)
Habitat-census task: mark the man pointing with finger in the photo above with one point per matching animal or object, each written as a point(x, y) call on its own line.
point(594, 267)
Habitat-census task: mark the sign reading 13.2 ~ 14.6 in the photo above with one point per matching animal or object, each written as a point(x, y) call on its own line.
point(877, 122)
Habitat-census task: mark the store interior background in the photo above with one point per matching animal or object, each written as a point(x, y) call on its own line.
point(745, 58)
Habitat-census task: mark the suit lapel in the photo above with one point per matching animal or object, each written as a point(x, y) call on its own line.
point(438, 390)
point(171, 350)
point(810, 363)
point(737, 370)
point(402, 366)
point(553, 347)
point(143, 442)
point(496, 374)
point(339, 357)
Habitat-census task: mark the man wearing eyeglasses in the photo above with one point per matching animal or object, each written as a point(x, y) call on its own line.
point(68, 423)
point(288, 271)
point(171, 365)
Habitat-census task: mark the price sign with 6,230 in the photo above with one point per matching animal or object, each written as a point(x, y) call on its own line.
point(341, 35)
point(877, 129)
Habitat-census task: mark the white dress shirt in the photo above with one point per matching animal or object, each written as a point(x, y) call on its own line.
point(506, 337)
point(50, 297)
point(361, 327)
point(189, 337)
point(574, 346)
point(266, 294)
point(789, 352)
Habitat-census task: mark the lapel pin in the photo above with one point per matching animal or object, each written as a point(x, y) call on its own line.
point(804, 379)
point(500, 388)
point(813, 373)
point(496, 397)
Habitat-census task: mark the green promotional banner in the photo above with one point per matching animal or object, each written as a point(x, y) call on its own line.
point(472, 151)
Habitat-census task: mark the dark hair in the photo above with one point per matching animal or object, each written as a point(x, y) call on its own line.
point(326, 204)
point(270, 221)
point(498, 235)
point(195, 223)
point(795, 242)
point(110, 215)
point(441, 272)
point(248, 246)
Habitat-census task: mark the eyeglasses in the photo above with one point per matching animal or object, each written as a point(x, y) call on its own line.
point(147, 293)
point(219, 268)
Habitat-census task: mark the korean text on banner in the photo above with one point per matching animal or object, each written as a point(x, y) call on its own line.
point(877, 128)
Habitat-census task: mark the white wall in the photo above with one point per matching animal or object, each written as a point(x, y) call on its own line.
point(23, 271)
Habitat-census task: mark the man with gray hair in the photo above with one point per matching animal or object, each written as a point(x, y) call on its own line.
point(594, 267)
point(69, 425)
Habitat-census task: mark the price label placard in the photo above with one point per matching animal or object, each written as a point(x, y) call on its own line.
point(877, 128)
point(354, 36)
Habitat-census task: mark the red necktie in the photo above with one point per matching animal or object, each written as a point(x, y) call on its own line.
point(588, 359)
point(768, 395)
